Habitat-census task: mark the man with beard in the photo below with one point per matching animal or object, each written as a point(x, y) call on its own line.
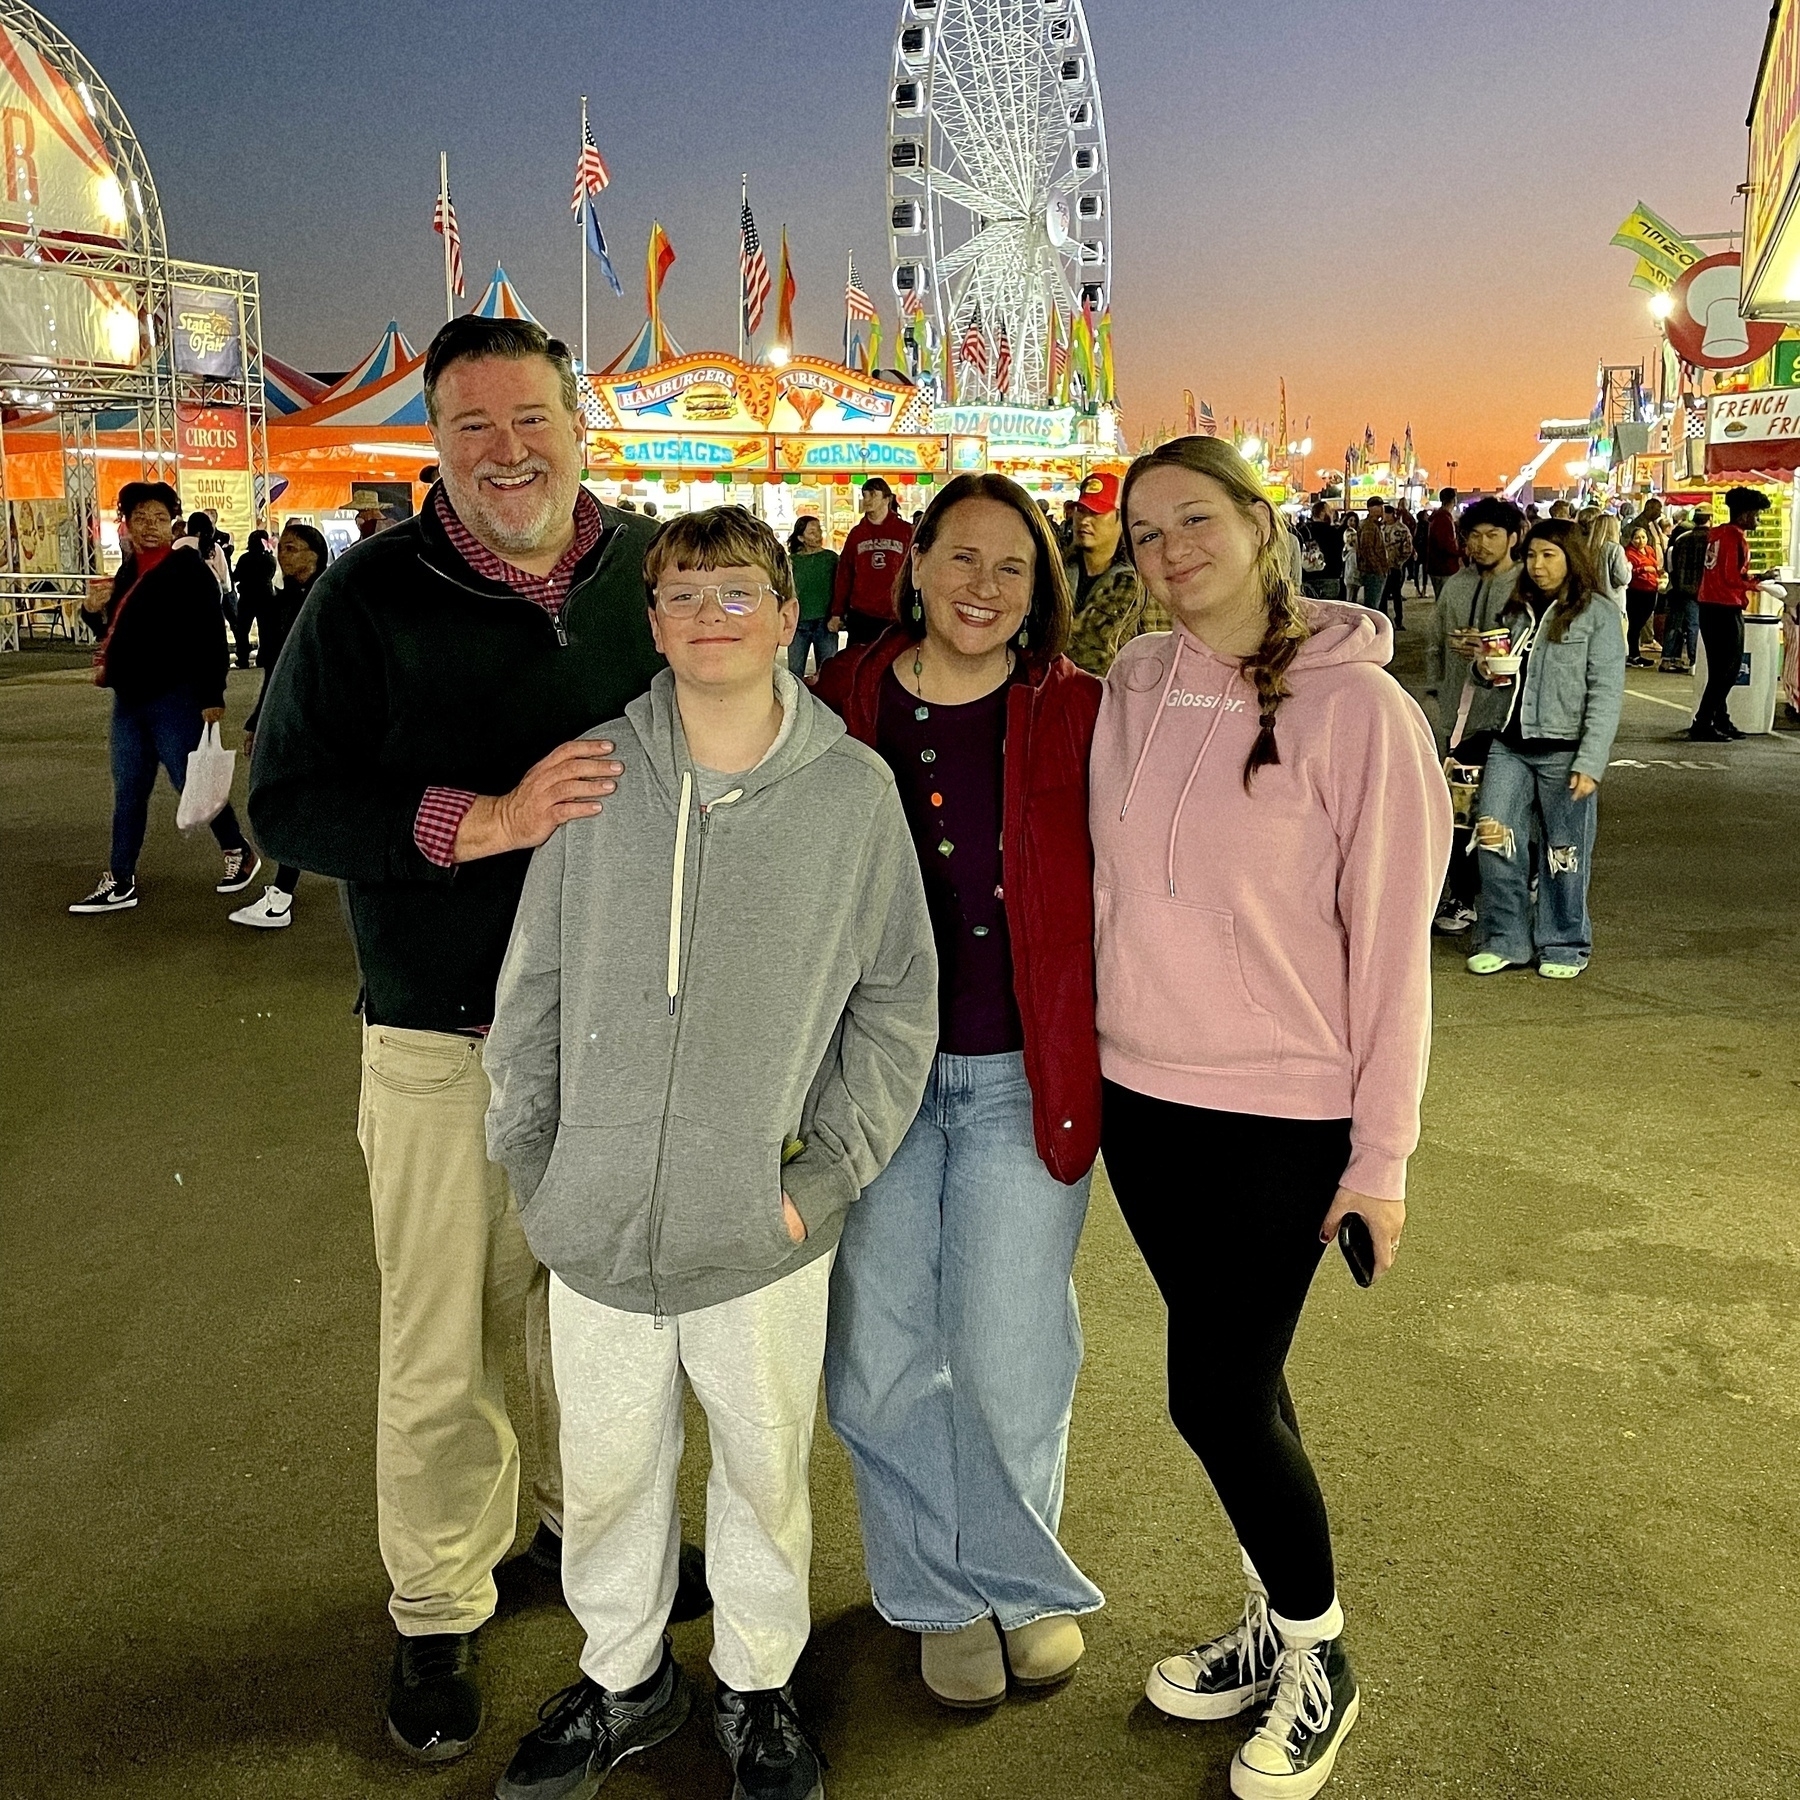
point(420, 737)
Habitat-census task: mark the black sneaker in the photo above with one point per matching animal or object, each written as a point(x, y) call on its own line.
point(771, 1756)
point(108, 896)
point(1729, 732)
point(1222, 1678)
point(1313, 1701)
point(1707, 734)
point(588, 1730)
point(434, 1706)
point(240, 870)
point(692, 1598)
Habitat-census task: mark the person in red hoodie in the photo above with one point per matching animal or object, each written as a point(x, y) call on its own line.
point(1725, 589)
point(1270, 833)
point(874, 553)
point(954, 1340)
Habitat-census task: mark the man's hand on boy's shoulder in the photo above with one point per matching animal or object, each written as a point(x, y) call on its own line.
point(790, 1217)
point(569, 783)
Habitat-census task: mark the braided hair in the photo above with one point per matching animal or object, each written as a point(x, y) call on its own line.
point(1286, 623)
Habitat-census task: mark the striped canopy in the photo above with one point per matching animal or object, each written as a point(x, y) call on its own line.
point(287, 389)
point(501, 301)
point(390, 354)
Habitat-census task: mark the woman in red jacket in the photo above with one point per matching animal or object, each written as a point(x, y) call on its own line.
point(954, 1340)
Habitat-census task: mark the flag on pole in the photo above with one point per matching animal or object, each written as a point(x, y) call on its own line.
point(1209, 426)
point(596, 243)
point(1103, 343)
point(874, 342)
point(972, 348)
point(1059, 357)
point(1393, 459)
point(591, 174)
point(1003, 362)
point(753, 267)
point(443, 222)
point(785, 290)
point(1406, 450)
point(659, 259)
point(1081, 338)
point(858, 307)
point(1187, 400)
point(1368, 445)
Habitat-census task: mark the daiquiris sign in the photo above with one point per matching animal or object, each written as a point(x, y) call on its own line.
point(1033, 427)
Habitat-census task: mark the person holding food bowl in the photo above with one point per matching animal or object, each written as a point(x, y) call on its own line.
point(1565, 665)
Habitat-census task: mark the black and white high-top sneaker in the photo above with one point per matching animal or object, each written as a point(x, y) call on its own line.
point(1313, 1701)
point(241, 867)
point(108, 896)
point(1224, 1677)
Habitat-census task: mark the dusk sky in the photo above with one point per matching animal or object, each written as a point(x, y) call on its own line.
point(1403, 206)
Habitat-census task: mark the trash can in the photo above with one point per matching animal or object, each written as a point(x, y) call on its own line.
point(1751, 703)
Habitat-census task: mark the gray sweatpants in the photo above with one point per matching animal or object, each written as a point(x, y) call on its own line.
point(754, 1367)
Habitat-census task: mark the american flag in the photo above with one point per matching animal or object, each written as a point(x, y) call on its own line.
point(1002, 361)
point(1059, 355)
point(972, 347)
point(443, 222)
point(856, 302)
point(591, 174)
point(753, 266)
point(1208, 424)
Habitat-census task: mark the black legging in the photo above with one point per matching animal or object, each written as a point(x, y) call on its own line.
point(1226, 1208)
point(1640, 603)
point(1722, 632)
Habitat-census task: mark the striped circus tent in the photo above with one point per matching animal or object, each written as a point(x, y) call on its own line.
point(287, 389)
point(378, 365)
point(641, 353)
point(398, 398)
point(501, 301)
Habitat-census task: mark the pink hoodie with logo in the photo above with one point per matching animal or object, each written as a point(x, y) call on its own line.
point(1270, 952)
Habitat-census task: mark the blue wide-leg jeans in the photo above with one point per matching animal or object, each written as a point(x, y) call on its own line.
point(1529, 796)
point(951, 1357)
point(145, 733)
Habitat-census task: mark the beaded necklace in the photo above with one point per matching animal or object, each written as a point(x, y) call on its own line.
point(922, 712)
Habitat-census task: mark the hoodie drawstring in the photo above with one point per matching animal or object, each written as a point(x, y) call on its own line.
point(1193, 774)
point(1162, 706)
point(675, 887)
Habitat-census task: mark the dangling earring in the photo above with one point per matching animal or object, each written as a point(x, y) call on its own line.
point(918, 609)
point(1024, 637)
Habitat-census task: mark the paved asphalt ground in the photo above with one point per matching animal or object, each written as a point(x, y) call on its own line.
point(1561, 1444)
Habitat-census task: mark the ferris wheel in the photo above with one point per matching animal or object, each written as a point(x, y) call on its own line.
point(1000, 215)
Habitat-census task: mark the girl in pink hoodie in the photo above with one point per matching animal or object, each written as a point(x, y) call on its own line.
point(1271, 830)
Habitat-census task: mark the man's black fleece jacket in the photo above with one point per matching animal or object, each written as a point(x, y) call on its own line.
point(407, 670)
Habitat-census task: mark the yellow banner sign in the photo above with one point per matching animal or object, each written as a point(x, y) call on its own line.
point(1657, 243)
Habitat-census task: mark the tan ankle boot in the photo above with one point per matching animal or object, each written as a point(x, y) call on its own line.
point(964, 1668)
point(1045, 1651)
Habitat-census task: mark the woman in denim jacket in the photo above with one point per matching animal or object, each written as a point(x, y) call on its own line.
point(1545, 766)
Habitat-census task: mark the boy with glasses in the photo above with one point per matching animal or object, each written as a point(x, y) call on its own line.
point(715, 1023)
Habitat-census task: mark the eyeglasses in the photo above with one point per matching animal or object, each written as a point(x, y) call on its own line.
point(738, 601)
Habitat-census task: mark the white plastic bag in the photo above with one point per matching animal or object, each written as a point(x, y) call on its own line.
point(210, 768)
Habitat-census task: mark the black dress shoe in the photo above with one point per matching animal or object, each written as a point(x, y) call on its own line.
point(434, 1706)
point(692, 1599)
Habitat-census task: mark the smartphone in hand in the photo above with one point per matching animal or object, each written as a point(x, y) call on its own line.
point(1358, 1248)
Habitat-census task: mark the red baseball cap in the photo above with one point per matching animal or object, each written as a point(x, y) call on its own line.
point(1099, 493)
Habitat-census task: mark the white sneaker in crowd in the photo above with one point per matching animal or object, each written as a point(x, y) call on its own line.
point(1224, 1677)
point(271, 913)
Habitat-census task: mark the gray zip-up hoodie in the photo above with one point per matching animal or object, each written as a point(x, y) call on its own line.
point(691, 988)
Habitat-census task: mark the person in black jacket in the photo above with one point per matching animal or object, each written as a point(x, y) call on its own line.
point(420, 736)
point(163, 654)
point(255, 581)
point(302, 553)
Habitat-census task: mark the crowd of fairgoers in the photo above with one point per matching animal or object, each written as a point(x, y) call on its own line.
point(760, 943)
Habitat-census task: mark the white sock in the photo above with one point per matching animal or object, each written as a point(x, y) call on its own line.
point(1250, 1574)
point(1302, 1634)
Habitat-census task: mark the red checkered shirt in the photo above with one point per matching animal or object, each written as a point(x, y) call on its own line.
point(443, 809)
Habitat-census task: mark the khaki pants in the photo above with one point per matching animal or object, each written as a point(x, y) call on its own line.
point(458, 1284)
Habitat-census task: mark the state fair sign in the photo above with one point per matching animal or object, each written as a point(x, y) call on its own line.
point(1753, 433)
